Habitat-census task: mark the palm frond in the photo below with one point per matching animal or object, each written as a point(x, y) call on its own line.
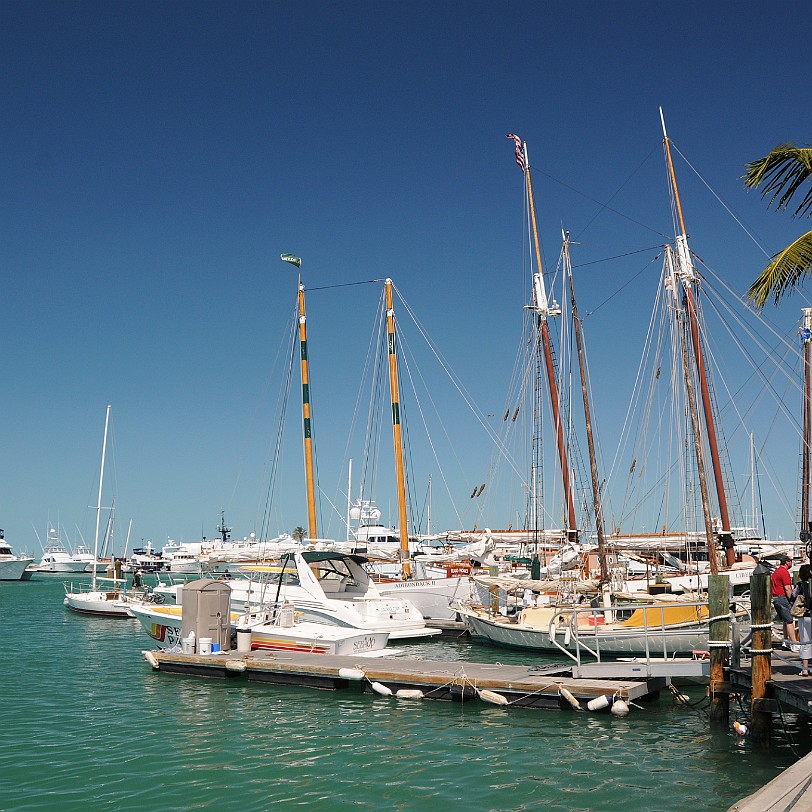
point(784, 272)
point(784, 171)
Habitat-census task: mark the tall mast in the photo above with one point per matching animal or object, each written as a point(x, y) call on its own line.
point(428, 522)
point(349, 500)
point(694, 414)
point(396, 433)
point(98, 503)
point(596, 488)
point(806, 474)
point(306, 427)
point(542, 308)
point(685, 271)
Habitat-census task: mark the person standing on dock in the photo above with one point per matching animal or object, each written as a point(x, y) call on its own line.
point(805, 622)
point(781, 582)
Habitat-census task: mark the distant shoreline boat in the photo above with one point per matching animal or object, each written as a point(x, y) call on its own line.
point(13, 567)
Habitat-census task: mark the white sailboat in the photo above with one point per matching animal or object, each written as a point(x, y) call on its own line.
point(93, 599)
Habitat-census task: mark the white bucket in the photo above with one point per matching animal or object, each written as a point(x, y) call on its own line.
point(204, 646)
point(244, 641)
point(188, 645)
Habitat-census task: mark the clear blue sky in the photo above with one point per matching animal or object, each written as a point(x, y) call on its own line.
point(156, 158)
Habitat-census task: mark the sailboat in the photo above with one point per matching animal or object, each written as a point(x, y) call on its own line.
point(92, 599)
point(543, 615)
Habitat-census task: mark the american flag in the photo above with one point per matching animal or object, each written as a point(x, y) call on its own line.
point(519, 150)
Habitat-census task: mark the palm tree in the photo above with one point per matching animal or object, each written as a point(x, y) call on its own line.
point(784, 171)
point(299, 533)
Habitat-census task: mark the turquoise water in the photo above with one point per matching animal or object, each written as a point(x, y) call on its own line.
point(88, 724)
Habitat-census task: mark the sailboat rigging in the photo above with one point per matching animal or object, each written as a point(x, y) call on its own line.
point(543, 308)
point(97, 600)
point(684, 273)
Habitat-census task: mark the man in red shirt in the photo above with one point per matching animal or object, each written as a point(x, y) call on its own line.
point(781, 582)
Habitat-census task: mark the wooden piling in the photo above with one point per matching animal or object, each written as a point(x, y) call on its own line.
point(761, 652)
point(718, 640)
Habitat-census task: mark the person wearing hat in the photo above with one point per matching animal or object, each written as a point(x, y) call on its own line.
point(781, 583)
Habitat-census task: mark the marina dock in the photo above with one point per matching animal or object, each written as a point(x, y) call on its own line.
point(790, 791)
point(788, 690)
point(526, 686)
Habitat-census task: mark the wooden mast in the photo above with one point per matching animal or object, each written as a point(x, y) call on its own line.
point(806, 340)
point(694, 415)
point(593, 465)
point(542, 309)
point(306, 426)
point(688, 278)
point(397, 434)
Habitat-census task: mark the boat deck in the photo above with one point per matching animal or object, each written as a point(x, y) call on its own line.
point(520, 685)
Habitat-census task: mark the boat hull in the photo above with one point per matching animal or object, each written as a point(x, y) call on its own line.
point(610, 640)
point(111, 603)
point(433, 597)
point(15, 569)
point(164, 625)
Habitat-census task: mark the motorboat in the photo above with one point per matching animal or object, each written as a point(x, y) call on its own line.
point(12, 567)
point(83, 553)
point(325, 586)
point(332, 587)
point(56, 558)
point(272, 629)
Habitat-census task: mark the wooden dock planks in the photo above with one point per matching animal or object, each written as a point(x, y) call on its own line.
point(522, 686)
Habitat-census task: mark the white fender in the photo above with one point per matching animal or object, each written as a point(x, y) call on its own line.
point(235, 665)
point(572, 700)
point(620, 708)
point(351, 673)
point(599, 703)
point(381, 689)
point(551, 631)
point(151, 659)
point(409, 693)
point(492, 696)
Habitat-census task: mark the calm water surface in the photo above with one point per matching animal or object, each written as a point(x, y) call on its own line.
point(88, 724)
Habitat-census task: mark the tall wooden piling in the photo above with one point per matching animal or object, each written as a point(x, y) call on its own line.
point(761, 653)
point(718, 641)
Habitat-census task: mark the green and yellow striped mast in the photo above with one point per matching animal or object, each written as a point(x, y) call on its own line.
point(306, 424)
point(397, 434)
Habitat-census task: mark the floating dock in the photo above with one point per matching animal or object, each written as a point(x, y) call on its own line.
point(535, 686)
point(788, 690)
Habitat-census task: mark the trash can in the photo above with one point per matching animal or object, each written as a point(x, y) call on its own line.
point(243, 640)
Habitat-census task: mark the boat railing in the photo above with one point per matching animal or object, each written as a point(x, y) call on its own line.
point(577, 632)
point(273, 613)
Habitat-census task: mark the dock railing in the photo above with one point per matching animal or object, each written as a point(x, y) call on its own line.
point(647, 642)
